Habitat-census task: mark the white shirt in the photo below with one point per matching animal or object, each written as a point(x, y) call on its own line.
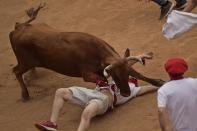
point(121, 99)
point(180, 99)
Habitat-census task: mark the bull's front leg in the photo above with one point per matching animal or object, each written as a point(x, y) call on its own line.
point(155, 82)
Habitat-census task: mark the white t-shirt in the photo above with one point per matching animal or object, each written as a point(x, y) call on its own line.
point(121, 99)
point(180, 99)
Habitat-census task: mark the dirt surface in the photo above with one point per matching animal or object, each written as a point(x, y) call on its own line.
point(123, 24)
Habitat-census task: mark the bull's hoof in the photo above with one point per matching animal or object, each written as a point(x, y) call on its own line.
point(25, 98)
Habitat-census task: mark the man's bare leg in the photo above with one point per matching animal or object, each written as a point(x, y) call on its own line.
point(89, 112)
point(147, 89)
point(191, 4)
point(61, 96)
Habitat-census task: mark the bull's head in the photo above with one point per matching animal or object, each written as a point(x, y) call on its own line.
point(121, 69)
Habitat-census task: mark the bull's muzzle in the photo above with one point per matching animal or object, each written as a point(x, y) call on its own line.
point(125, 93)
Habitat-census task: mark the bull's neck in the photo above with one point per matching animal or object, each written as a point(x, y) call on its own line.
point(111, 59)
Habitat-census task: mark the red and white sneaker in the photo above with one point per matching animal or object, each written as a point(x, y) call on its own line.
point(46, 126)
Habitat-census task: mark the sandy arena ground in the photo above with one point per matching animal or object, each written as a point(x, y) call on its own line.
point(123, 24)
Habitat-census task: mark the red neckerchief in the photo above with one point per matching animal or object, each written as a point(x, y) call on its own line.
point(133, 80)
point(102, 83)
point(176, 77)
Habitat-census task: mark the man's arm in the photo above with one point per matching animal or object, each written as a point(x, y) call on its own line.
point(162, 111)
point(164, 119)
point(191, 4)
point(147, 89)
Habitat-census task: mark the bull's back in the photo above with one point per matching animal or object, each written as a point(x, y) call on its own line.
point(43, 36)
point(73, 51)
point(65, 52)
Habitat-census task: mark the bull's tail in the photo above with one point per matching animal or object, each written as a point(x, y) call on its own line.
point(26, 59)
point(11, 41)
point(32, 13)
point(13, 46)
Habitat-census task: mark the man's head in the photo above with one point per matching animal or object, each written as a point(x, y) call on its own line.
point(176, 67)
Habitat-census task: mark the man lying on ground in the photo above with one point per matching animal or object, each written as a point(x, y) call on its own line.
point(95, 102)
point(178, 97)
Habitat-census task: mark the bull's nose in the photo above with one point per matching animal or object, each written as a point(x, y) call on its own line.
point(125, 94)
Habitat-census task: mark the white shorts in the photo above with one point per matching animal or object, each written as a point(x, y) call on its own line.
point(83, 96)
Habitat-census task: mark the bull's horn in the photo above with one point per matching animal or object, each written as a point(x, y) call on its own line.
point(105, 70)
point(135, 58)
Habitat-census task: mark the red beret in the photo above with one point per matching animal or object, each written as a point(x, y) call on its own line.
point(176, 66)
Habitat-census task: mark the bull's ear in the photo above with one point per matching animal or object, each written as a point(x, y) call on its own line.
point(127, 53)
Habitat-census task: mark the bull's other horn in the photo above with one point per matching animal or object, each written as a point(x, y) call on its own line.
point(105, 70)
point(135, 58)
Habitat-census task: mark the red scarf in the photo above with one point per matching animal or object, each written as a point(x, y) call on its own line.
point(176, 77)
point(102, 83)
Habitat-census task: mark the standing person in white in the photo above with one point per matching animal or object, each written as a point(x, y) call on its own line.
point(177, 99)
